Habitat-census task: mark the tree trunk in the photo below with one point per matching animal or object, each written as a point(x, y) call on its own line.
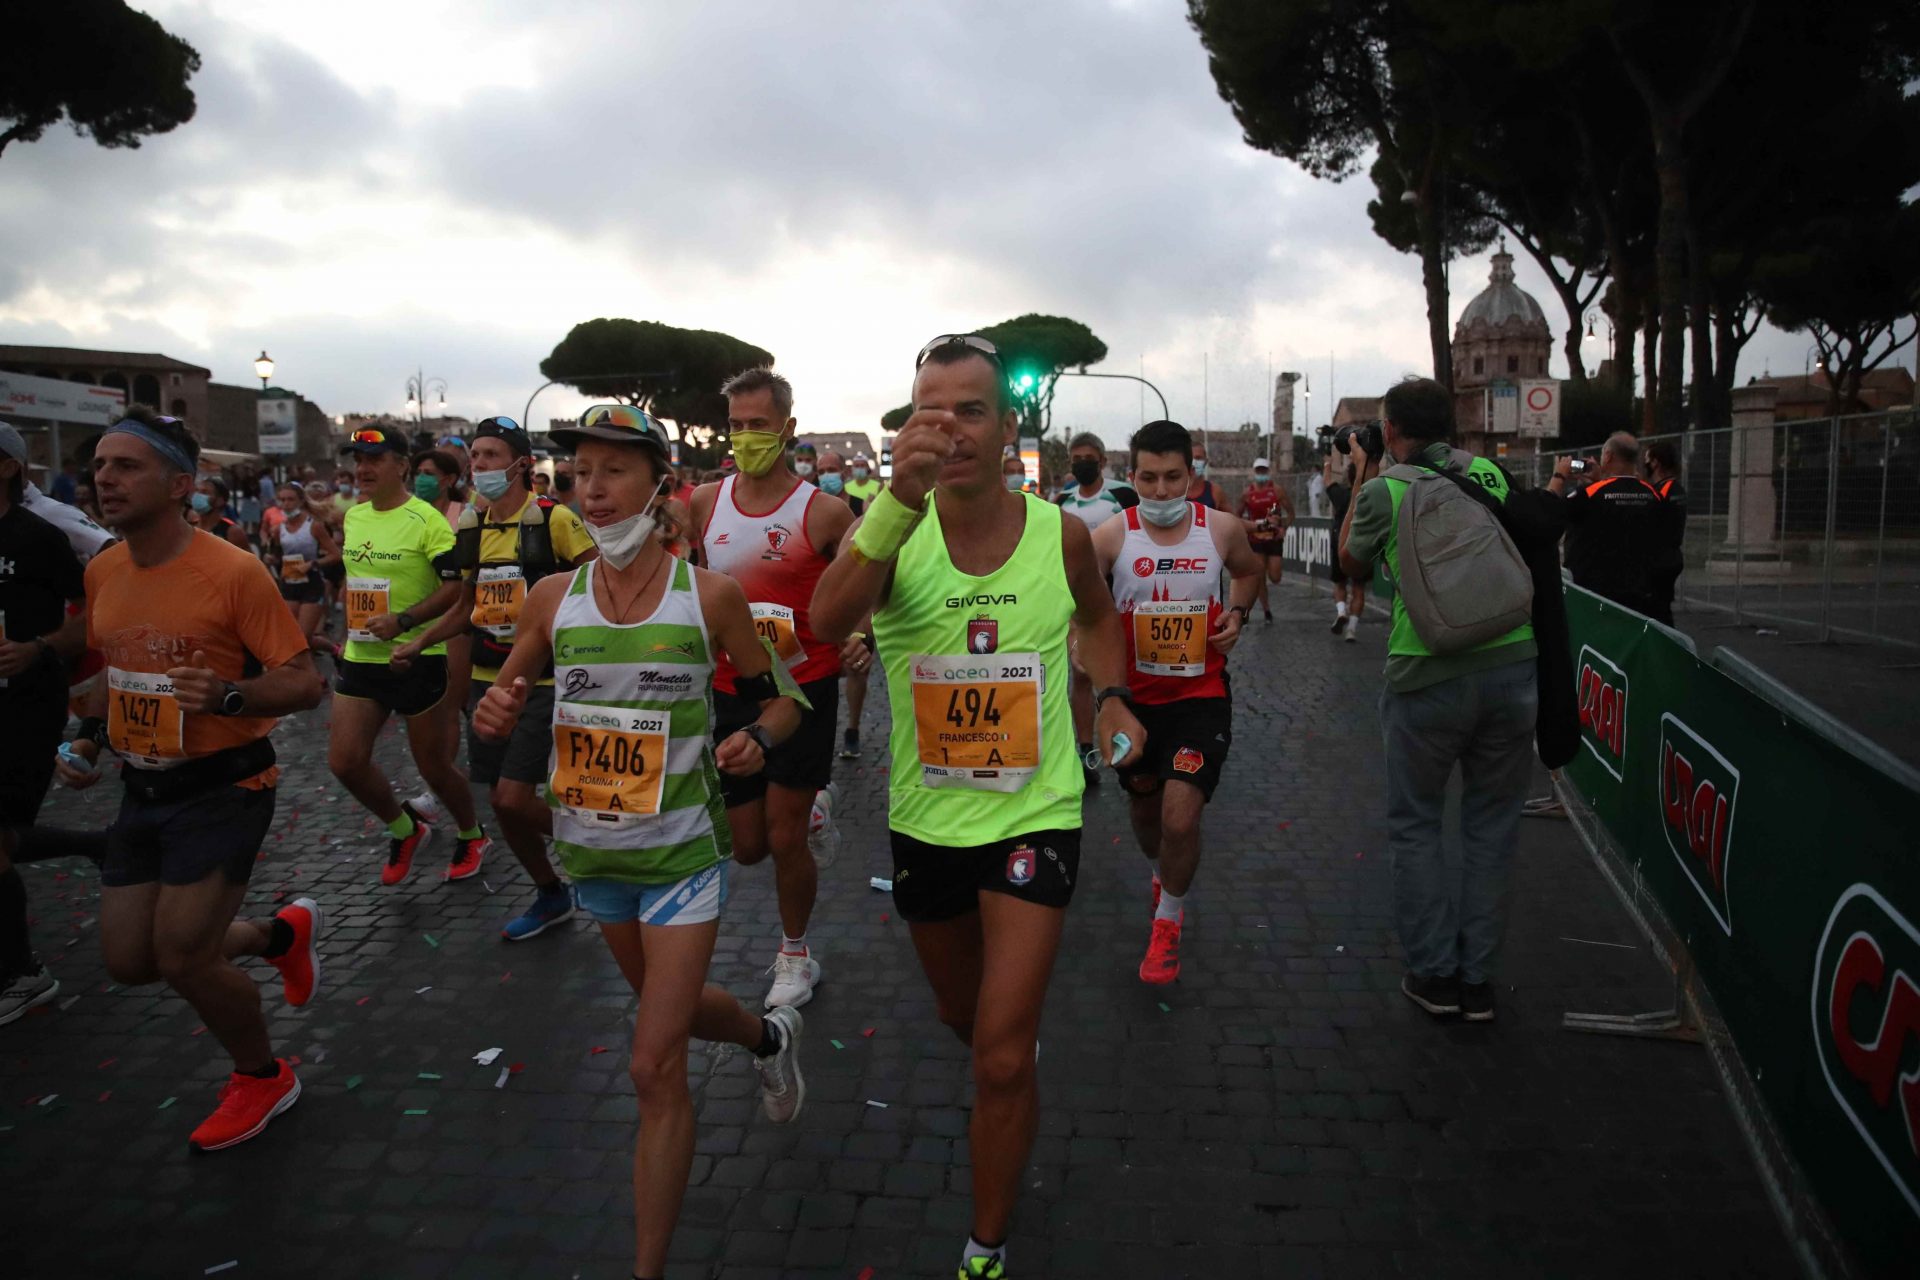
point(1433, 274)
point(1650, 338)
point(1670, 258)
point(1700, 326)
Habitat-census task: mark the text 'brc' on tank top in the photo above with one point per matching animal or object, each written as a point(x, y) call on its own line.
point(1169, 597)
point(981, 663)
point(777, 565)
point(632, 783)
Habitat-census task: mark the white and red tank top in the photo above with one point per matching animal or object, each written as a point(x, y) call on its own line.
point(770, 556)
point(1169, 599)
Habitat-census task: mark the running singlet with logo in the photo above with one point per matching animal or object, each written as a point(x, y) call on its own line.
point(1169, 599)
point(633, 788)
point(1095, 511)
point(977, 675)
point(390, 568)
point(212, 598)
point(299, 552)
point(1260, 502)
point(771, 558)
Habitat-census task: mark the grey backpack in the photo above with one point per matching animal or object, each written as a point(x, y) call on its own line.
point(1461, 577)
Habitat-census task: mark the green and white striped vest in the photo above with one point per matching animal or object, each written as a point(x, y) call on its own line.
point(633, 787)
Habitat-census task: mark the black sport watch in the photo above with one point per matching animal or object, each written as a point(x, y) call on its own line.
point(758, 732)
point(1119, 691)
point(233, 701)
point(1246, 614)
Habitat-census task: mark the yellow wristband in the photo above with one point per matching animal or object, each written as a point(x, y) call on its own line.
point(889, 523)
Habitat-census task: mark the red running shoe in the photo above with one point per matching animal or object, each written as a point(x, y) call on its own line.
point(246, 1105)
point(1162, 964)
point(300, 966)
point(467, 856)
point(400, 853)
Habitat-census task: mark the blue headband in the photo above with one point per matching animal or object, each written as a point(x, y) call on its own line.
point(167, 449)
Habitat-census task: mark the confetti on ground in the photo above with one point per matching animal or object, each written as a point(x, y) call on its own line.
point(883, 885)
point(1165, 1007)
point(48, 1100)
point(866, 1273)
point(517, 1068)
point(1342, 950)
point(872, 1103)
point(169, 1102)
point(599, 1048)
point(414, 1111)
point(219, 1267)
point(109, 1062)
point(427, 1075)
point(104, 1096)
point(506, 975)
point(1358, 856)
point(353, 1082)
point(836, 1044)
point(868, 1033)
point(885, 916)
point(68, 1003)
point(501, 1083)
point(197, 1030)
point(488, 887)
point(363, 999)
point(1283, 826)
point(431, 940)
point(486, 1056)
point(420, 991)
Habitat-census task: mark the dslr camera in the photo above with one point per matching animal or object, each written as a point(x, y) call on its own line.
point(1365, 434)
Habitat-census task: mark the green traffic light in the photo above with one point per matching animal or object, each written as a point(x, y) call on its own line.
point(1023, 382)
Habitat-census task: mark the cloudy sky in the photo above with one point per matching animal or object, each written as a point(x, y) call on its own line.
point(371, 188)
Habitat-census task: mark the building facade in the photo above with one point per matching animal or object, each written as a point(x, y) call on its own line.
point(1502, 337)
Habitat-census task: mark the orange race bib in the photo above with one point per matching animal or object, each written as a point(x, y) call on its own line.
point(1170, 637)
point(609, 763)
point(499, 593)
point(294, 570)
point(776, 625)
point(144, 720)
point(976, 719)
point(366, 600)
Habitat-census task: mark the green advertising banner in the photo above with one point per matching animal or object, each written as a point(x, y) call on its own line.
point(1788, 866)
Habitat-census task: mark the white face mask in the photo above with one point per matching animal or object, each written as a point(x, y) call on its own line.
point(622, 540)
point(803, 469)
point(1165, 512)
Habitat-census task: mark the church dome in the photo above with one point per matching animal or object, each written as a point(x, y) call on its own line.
point(1502, 303)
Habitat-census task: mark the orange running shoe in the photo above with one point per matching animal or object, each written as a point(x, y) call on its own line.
point(400, 853)
point(467, 856)
point(300, 966)
point(1162, 964)
point(247, 1104)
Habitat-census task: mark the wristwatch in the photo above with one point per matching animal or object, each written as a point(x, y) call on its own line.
point(758, 732)
point(405, 619)
point(233, 701)
point(1119, 691)
point(1245, 613)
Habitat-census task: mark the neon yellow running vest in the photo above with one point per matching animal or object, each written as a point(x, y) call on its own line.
point(977, 674)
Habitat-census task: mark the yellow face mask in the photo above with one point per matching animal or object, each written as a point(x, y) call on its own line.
point(756, 452)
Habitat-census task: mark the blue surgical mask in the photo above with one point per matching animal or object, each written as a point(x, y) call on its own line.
point(492, 484)
point(1199, 466)
point(202, 503)
point(1015, 481)
point(1165, 512)
point(831, 482)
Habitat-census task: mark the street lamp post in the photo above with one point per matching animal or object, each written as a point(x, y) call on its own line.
point(1127, 377)
point(263, 368)
point(417, 387)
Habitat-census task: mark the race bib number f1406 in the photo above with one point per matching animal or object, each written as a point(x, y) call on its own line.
point(609, 763)
point(1170, 637)
point(144, 719)
point(976, 719)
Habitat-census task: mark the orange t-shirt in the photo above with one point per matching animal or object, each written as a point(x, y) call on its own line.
point(212, 597)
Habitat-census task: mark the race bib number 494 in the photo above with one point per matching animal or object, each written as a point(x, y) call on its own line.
point(144, 721)
point(1170, 637)
point(608, 762)
point(977, 719)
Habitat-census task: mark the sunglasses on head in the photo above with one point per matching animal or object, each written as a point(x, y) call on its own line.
point(971, 341)
point(369, 435)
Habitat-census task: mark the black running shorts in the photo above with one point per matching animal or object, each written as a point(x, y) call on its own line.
point(803, 762)
point(1187, 741)
point(934, 882)
point(414, 691)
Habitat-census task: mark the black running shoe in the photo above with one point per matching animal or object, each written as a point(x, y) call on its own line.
point(1476, 1001)
point(1439, 996)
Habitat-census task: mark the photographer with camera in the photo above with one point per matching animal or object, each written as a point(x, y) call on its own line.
point(1461, 686)
point(1616, 525)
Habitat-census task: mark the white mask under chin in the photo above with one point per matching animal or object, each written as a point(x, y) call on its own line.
point(622, 540)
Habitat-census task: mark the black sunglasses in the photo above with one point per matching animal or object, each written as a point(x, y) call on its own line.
point(971, 341)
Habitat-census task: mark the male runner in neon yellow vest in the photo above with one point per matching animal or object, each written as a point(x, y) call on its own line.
point(971, 589)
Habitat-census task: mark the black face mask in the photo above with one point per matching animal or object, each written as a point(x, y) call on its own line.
point(1086, 470)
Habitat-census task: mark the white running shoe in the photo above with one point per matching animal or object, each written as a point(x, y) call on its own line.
point(29, 992)
point(782, 1091)
point(428, 806)
point(823, 837)
point(794, 978)
point(1353, 628)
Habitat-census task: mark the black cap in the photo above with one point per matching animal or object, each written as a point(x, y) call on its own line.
point(374, 438)
point(508, 430)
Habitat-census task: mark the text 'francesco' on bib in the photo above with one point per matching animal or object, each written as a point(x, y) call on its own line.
point(977, 719)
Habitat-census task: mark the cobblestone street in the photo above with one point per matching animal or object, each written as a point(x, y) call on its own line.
point(1282, 1111)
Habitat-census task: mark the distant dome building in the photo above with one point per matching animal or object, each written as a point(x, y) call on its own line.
point(1501, 338)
